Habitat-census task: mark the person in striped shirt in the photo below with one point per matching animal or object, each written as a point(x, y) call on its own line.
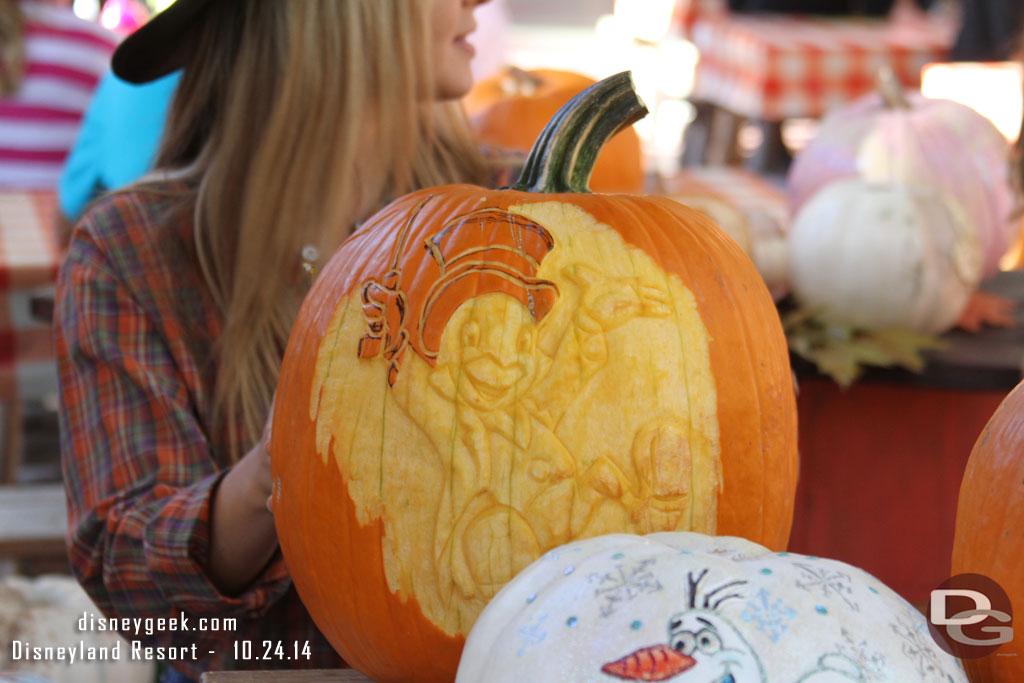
point(50, 63)
point(292, 122)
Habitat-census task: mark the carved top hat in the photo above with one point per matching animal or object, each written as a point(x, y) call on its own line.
point(486, 251)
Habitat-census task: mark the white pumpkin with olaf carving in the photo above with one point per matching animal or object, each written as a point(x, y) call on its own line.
point(690, 608)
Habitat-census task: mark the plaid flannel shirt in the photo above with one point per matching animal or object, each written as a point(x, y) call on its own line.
point(135, 333)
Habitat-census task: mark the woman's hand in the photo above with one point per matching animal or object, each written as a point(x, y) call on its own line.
point(242, 533)
point(265, 443)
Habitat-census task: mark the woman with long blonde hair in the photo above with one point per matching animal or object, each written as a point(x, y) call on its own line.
point(293, 121)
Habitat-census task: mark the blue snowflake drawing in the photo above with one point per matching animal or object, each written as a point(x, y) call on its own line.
point(871, 662)
point(828, 582)
point(531, 634)
point(623, 584)
point(918, 647)
point(772, 617)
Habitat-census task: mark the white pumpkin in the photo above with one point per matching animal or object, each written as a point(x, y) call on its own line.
point(692, 608)
point(872, 255)
point(44, 612)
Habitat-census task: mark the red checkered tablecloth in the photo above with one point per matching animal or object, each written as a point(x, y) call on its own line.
point(775, 67)
point(29, 258)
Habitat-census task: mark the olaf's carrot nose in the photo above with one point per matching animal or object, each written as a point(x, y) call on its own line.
point(656, 663)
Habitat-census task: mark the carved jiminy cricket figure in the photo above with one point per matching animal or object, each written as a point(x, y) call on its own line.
point(539, 385)
point(484, 364)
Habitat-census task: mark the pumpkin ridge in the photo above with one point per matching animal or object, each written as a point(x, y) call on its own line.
point(319, 378)
point(380, 453)
point(685, 277)
point(448, 549)
point(689, 400)
point(744, 329)
point(305, 540)
point(760, 445)
point(988, 534)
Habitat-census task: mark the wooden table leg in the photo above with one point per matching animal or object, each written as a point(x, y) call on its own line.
point(10, 456)
point(772, 157)
point(723, 140)
point(695, 139)
point(712, 138)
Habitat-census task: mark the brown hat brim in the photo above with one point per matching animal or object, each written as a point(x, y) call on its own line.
point(161, 45)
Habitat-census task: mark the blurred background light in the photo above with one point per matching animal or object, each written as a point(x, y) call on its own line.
point(993, 89)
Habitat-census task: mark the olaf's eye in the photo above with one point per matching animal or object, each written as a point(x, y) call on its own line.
point(684, 642)
point(708, 642)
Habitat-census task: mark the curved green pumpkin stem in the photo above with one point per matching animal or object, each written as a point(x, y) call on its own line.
point(563, 157)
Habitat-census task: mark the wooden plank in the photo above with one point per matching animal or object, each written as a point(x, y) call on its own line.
point(309, 676)
point(880, 472)
point(33, 520)
point(995, 352)
point(10, 451)
point(990, 360)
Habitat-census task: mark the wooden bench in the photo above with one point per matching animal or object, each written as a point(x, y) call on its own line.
point(33, 521)
point(310, 676)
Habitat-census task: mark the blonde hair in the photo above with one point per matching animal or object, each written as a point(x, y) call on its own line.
point(299, 118)
point(12, 50)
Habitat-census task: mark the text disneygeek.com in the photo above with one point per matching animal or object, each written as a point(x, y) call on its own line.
point(132, 647)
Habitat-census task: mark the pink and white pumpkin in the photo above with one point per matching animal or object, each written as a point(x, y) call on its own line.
point(910, 139)
point(690, 608)
point(874, 256)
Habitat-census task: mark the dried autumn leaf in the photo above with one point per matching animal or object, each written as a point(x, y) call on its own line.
point(842, 352)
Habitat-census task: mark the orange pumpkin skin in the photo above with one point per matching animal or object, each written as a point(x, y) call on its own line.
point(538, 83)
point(515, 119)
point(336, 562)
point(990, 527)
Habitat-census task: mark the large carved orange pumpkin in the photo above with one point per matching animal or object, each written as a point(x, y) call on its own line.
point(478, 376)
point(511, 108)
point(990, 527)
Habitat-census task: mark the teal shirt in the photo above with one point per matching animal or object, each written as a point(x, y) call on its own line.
point(118, 140)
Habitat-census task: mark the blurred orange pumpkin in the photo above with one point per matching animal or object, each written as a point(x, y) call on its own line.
point(511, 108)
point(989, 536)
